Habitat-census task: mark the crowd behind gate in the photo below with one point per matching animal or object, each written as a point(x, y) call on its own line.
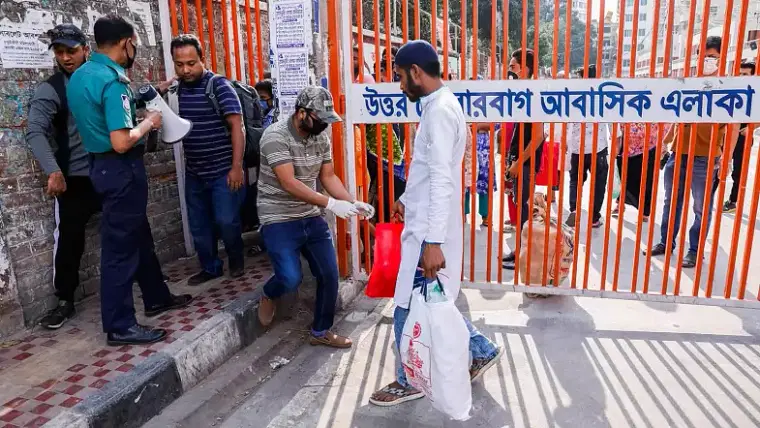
point(246, 170)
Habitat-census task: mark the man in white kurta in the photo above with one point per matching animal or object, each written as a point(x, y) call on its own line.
point(431, 206)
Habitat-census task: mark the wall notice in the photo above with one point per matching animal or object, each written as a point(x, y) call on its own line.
point(291, 45)
point(142, 10)
point(20, 47)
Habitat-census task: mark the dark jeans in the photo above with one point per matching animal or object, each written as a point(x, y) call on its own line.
point(127, 250)
point(736, 173)
point(213, 212)
point(310, 237)
point(73, 210)
point(600, 183)
point(524, 202)
point(698, 192)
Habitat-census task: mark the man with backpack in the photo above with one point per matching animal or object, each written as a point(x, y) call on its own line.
point(214, 152)
point(53, 137)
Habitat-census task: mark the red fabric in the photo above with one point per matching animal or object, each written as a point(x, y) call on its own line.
point(382, 279)
point(542, 178)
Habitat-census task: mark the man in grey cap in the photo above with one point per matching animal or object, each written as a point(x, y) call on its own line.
point(53, 137)
point(295, 153)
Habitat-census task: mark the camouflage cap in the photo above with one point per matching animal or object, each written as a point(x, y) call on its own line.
point(318, 100)
point(68, 35)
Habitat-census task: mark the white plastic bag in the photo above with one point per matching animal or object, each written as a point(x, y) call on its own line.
point(435, 353)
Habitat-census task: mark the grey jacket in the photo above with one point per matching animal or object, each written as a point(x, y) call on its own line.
point(40, 134)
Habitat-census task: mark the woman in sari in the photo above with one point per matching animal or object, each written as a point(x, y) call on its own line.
point(637, 144)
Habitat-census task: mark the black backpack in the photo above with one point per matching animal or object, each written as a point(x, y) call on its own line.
point(249, 101)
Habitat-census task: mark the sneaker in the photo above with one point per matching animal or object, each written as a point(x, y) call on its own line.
point(175, 302)
point(597, 224)
point(729, 207)
point(201, 277)
point(689, 261)
point(479, 366)
point(657, 250)
point(570, 222)
point(136, 335)
point(59, 315)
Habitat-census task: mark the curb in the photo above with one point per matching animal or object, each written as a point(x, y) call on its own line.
point(138, 395)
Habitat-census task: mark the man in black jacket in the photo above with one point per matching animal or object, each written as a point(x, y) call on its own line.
point(53, 137)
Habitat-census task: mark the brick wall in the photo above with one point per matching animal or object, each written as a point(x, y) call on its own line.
point(26, 220)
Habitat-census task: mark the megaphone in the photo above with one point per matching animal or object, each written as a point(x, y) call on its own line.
point(173, 128)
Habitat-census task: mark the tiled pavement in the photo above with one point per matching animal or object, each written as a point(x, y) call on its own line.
point(44, 372)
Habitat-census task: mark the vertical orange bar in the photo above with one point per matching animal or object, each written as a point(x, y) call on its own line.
point(520, 150)
point(550, 192)
point(504, 136)
point(538, 129)
point(445, 38)
point(434, 24)
point(750, 230)
point(407, 128)
point(747, 147)
point(199, 23)
point(236, 37)
point(185, 18)
point(173, 15)
point(692, 146)
point(626, 135)
point(463, 43)
point(226, 41)
point(333, 78)
point(645, 172)
point(211, 36)
point(491, 156)
point(363, 131)
point(473, 187)
point(594, 144)
point(416, 20)
point(613, 150)
point(260, 41)
point(379, 126)
point(722, 174)
point(249, 41)
point(678, 153)
point(389, 127)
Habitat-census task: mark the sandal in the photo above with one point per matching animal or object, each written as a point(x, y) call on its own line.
point(398, 393)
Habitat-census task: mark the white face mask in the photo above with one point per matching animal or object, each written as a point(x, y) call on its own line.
point(710, 66)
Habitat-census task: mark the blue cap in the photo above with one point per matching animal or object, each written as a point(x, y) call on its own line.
point(416, 52)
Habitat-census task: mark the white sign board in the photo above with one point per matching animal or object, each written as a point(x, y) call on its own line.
point(142, 9)
point(20, 47)
point(290, 21)
point(712, 100)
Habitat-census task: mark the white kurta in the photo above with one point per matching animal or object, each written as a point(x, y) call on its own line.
point(433, 196)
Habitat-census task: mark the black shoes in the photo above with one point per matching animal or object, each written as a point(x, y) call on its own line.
point(56, 318)
point(175, 302)
point(689, 260)
point(201, 277)
point(508, 261)
point(136, 335)
point(237, 272)
point(657, 250)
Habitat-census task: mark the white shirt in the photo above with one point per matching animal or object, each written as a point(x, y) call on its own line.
point(433, 196)
point(574, 138)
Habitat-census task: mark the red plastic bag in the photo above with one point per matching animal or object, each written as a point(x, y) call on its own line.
point(542, 178)
point(382, 279)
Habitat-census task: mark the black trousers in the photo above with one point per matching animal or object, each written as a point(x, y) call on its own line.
point(73, 210)
point(126, 242)
point(736, 172)
point(600, 183)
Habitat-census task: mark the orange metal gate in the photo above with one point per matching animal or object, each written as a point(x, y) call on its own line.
point(558, 35)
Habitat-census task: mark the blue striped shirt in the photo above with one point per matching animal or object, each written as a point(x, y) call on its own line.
point(208, 147)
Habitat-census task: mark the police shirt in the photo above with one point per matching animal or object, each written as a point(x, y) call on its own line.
point(101, 101)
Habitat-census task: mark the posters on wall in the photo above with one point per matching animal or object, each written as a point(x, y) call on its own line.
point(142, 10)
point(290, 44)
point(20, 46)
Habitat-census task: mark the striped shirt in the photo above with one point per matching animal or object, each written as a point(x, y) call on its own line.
point(280, 145)
point(208, 147)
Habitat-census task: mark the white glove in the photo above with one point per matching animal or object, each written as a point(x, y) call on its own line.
point(342, 209)
point(364, 209)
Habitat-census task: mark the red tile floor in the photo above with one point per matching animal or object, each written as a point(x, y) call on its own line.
point(43, 372)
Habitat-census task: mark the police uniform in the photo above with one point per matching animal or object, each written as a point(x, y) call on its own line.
point(102, 102)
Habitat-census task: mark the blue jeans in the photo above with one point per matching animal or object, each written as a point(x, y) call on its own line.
point(285, 243)
point(480, 346)
point(213, 212)
point(698, 193)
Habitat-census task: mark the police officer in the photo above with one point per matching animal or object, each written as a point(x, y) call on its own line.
point(105, 114)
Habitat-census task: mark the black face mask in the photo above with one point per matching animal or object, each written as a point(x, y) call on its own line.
point(512, 75)
point(313, 127)
point(130, 60)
